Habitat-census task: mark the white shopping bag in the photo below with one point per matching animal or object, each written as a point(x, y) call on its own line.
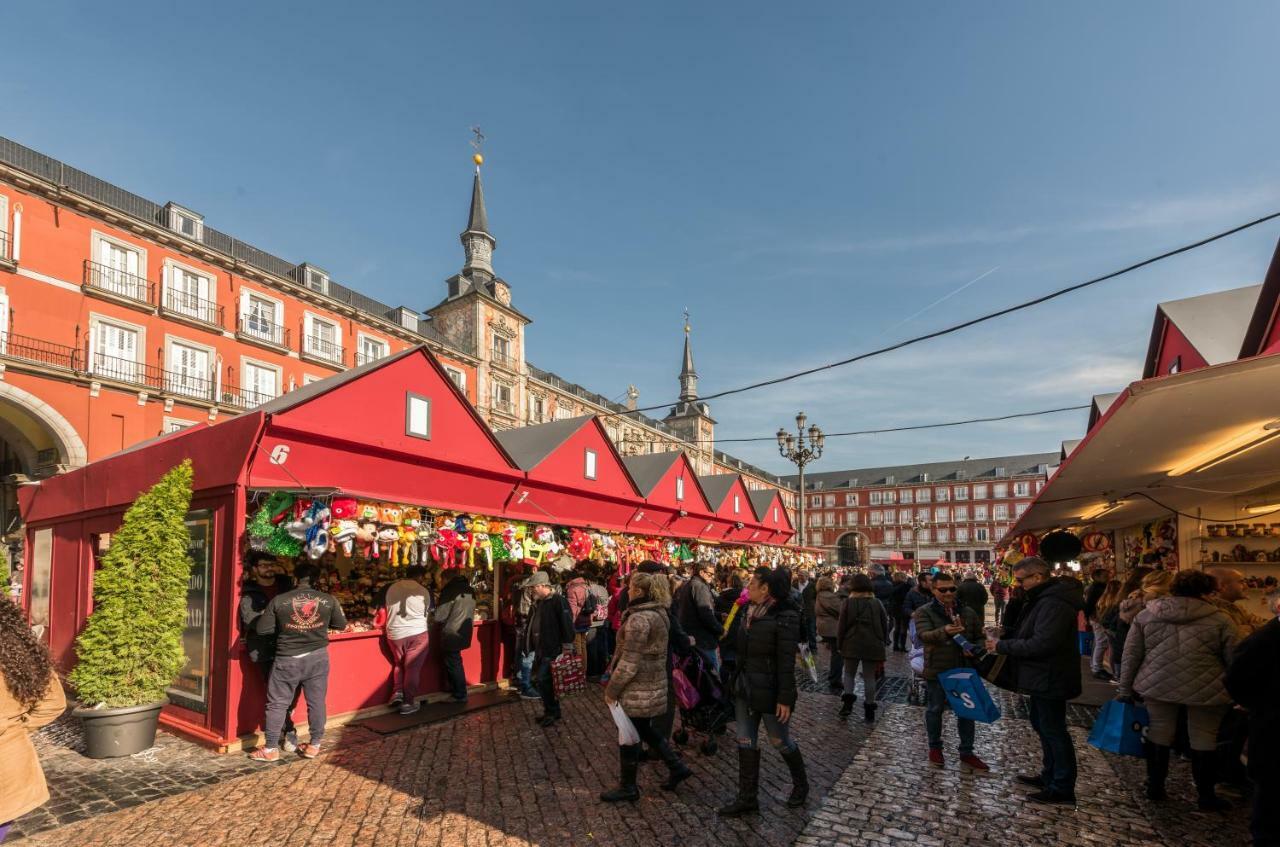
point(809, 662)
point(627, 734)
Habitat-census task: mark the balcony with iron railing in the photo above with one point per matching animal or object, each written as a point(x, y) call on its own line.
point(40, 352)
point(364, 357)
point(503, 360)
point(322, 350)
point(6, 250)
point(128, 371)
point(242, 398)
point(184, 305)
point(258, 330)
point(117, 285)
point(506, 407)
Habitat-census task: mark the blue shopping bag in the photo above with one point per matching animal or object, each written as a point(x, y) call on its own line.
point(1119, 727)
point(968, 695)
point(1086, 643)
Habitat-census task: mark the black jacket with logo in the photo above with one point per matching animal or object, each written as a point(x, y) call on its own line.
point(300, 620)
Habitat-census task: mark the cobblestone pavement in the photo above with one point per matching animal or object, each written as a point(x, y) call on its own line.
point(496, 778)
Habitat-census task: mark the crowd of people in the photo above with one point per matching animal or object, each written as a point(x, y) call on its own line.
point(1181, 644)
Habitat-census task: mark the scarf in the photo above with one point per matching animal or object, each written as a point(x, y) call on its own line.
point(757, 610)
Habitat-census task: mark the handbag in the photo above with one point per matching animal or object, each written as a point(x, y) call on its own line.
point(686, 694)
point(568, 674)
point(1119, 728)
point(968, 696)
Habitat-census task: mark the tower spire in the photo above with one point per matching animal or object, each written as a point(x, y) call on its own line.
point(688, 375)
point(477, 242)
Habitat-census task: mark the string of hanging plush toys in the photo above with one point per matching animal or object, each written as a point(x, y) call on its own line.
point(289, 525)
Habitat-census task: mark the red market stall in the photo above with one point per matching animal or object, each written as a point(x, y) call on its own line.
point(675, 503)
point(729, 497)
point(771, 514)
point(392, 431)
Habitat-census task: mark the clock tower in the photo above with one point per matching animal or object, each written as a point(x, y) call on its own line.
point(690, 417)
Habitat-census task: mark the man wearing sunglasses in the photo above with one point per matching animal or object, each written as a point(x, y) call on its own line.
point(936, 623)
point(1047, 669)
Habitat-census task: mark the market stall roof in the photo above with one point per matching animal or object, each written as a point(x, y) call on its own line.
point(394, 429)
point(1098, 407)
point(1164, 444)
point(1068, 447)
point(728, 496)
point(771, 513)
point(1263, 334)
point(573, 476)
point(675, 508)
point(218, 455)
point(1208, 329)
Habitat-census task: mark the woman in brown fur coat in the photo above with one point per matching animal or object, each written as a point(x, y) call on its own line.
point(638, 681)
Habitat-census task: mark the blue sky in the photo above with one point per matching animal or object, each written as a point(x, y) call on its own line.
point(803, 181)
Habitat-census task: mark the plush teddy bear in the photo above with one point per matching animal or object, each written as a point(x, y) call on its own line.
point(367, 536)
point(368, 512)
point(388, 538)
point(391, 515)
point(444, 548)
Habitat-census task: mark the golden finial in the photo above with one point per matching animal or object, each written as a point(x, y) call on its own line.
point(686, 321)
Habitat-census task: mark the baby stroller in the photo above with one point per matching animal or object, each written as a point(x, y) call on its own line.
point(705, 709)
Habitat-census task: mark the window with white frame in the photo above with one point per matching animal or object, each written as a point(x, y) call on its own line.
point(501, 397)
point(874, 498)
point(851, 499)
point(589, 464)
point(537, 408)
point(904, 496)
point(115, 349)
point(261, 317)
point(962, 534)
point(177, 424)
point(1039, 485)
point(190, 293)
point(923, 514)
point(981, 533)
point(942, 513)
point(815, 501)
point(943, 494)
point(457, 377)
point(922, 495)
point(1021, 489)
point(417, 415)
point(924, 533)
point(6, 249)
point(260, 383)
point(875, 517)
point(961, 492)
point(1020, 509)
point(944, 534)
point(185, 222)
point(980, 512)
point(851, 518)
point(908, 536)
point(323, 339)
point(1000, 489)
point(890, 496)
point(829, 519)
point(307, 379)
point(737, 503)
point(1000, 511)
point(904, 516)
point(962, 513)
point(890, 536)
point(370, 349)
point(119, 267)
point(980, 492)
point(187, 369)
point(501, 349)
point(829, 501)
point(563, 412)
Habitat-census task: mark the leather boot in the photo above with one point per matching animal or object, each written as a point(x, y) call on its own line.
point(1157, 771)
point(869, 712)
point(799, 779)
point(846, 706)
point(629, 759)
point(748, 785)
point(1204, 770)
point(677, 770)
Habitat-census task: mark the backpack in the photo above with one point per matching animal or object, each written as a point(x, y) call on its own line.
point(599, 615)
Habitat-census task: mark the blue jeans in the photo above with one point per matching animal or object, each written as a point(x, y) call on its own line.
point(1049, 720)
point(524, 674)
point(935, 705)
point(749, 728)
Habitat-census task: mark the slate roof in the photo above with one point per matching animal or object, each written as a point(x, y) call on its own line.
point(529, 445)
point(1215, 324)
point(761, 499)
point(984, 468)
point(716, 486)
point(478, 220)
point(648, 470)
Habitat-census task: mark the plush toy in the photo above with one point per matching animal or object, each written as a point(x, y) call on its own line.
point(368, 512)
point(317, 537)
point(392, 515)
point(367, 535)
point(300, 520)
point(580, 545)
point(538, 546)
point(343, 534)
point(407, 546)
point(388, 538)
point(444, 550)
point(343, 508)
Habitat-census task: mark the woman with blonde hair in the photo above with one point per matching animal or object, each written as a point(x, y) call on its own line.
point(638, 681)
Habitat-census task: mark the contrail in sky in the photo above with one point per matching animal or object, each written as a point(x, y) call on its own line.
point(941, 299)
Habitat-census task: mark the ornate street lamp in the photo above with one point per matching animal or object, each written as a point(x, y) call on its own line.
point(796, 450)
point(916, 526)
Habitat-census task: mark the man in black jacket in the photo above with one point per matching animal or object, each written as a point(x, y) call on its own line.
point(896, 607)
point(264, 582)
point(455, 613)
point(1252, 680)
point(695, 609)
point(1047, 668)
point(971, 593)
point(300, 620)
point(549, 633)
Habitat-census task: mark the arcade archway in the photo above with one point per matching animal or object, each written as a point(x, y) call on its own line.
point(851, 549)
point(36, 441)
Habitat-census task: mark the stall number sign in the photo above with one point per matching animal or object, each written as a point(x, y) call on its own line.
point(191, 689)
point(279, 454)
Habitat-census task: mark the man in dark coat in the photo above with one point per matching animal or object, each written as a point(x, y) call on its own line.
point(1252, 680)
point(695, 609)
point(455, 613)
point(881, 586)
point(1046, 653)
point(549, 633)
point(897, 610)
point(971, 593)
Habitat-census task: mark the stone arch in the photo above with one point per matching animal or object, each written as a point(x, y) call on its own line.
point(852, 548)
point(31, 425)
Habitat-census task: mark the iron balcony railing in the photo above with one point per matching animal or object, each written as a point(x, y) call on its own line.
point(260, 329)
point(117, 282)
point(502, 360)
point(244, 398)
point(504, 406)
point(185, 304)
point(40, 351)
point(322, 348)
point(127, 370)
point(4, 246)
point(364, 357)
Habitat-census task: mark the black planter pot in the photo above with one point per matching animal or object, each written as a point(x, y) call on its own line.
point(109, 733)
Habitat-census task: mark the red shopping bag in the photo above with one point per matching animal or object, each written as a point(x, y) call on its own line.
point(568, 674)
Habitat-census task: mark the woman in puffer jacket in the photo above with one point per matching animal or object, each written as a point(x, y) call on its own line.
point(827, 606)
point(638, 681)
point(1176, 654)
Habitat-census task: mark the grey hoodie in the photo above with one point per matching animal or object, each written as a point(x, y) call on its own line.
point(1177, 651)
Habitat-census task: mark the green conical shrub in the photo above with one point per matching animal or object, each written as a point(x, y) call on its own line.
point(6, 578)
point(131, 648)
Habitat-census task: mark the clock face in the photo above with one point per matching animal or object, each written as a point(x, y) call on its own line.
point(502, 293)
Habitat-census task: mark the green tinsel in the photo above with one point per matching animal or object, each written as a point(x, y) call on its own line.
point(500, 551)
point(282, 543)
point(262, 526)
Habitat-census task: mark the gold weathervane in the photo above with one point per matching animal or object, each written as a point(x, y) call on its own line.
point(477, 143)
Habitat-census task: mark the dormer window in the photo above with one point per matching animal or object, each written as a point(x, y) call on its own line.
point(184, 222)
point(1175, 365)
point(316, 279)
point(589, 471)
point(679, 488)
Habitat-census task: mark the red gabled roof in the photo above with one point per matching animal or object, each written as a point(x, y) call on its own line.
point(771, 514)
point(1263, 334)
point(732, 502)
point(657, 476)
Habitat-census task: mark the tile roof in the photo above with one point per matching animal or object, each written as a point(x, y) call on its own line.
point(529, 445)
point(648, 470)
point(716, 486)
point(984, 468)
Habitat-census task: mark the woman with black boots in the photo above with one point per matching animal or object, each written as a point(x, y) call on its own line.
point(764, 686)
point(862, 631)
point(638, 680)
point(1176, 655)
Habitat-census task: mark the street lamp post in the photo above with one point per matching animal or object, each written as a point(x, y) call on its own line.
point(794, 449)
point(916, 525)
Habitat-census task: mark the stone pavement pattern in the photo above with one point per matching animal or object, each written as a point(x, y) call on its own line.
point(495, 778)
